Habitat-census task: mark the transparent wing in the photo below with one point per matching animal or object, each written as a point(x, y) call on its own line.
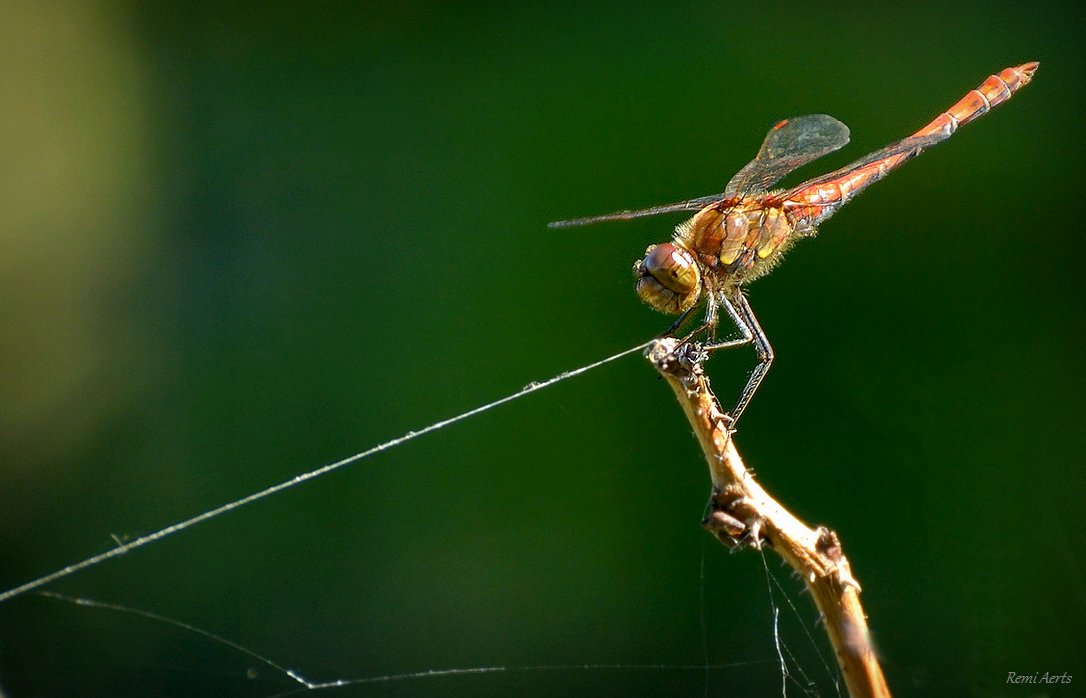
point(688, 205)
point(870, 168)
point(789, 145)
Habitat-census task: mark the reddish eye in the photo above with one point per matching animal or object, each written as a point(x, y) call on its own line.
point(668, 278)
point(673, 267)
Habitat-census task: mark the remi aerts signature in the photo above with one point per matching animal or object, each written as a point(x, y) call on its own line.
point(1048, 677)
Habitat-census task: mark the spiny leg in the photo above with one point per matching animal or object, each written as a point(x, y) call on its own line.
point(708, 323)
point(737, 320)
point(741, 314)
point(740, 311)
point(679, 323)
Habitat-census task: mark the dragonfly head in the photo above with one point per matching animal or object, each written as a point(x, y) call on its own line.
point(668, 278)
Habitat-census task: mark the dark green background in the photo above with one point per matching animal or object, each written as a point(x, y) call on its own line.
point(237, 244)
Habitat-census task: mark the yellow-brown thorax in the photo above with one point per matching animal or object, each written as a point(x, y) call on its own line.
point(720, 248)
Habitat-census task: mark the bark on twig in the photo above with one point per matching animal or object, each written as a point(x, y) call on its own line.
point(742, 512)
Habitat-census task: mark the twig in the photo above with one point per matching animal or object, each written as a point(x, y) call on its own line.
point(742, 512)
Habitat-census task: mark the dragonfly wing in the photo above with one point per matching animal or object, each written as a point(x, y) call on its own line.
point(789, 145)
point(857, 176)
point(688, 205)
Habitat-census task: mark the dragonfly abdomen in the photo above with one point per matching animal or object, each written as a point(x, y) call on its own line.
point(994, 91)
point(813, 202)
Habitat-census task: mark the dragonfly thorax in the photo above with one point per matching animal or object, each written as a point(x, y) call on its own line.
point(668, 278)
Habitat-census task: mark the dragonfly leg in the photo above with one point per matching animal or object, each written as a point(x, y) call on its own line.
point(679, 323)
point(737, 320)
point(744, 318)
point(709, 323)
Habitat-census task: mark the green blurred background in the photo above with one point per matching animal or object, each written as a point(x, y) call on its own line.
point(237, 243)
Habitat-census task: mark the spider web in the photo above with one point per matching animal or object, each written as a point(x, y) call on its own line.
point(265, 676)
point(212, 649)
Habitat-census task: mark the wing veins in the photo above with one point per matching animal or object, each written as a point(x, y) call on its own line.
point(910, 146)
point(789, 145)
point(688, 205)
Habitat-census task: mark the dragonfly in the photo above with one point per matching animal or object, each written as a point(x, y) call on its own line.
point(742, 233)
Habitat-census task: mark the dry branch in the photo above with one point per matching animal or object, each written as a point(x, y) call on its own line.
point(742, 512)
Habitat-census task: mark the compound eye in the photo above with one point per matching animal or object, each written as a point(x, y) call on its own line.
point(673, 268)
point(668, 278)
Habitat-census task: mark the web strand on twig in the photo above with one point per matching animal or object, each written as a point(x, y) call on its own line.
point(299, 479)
